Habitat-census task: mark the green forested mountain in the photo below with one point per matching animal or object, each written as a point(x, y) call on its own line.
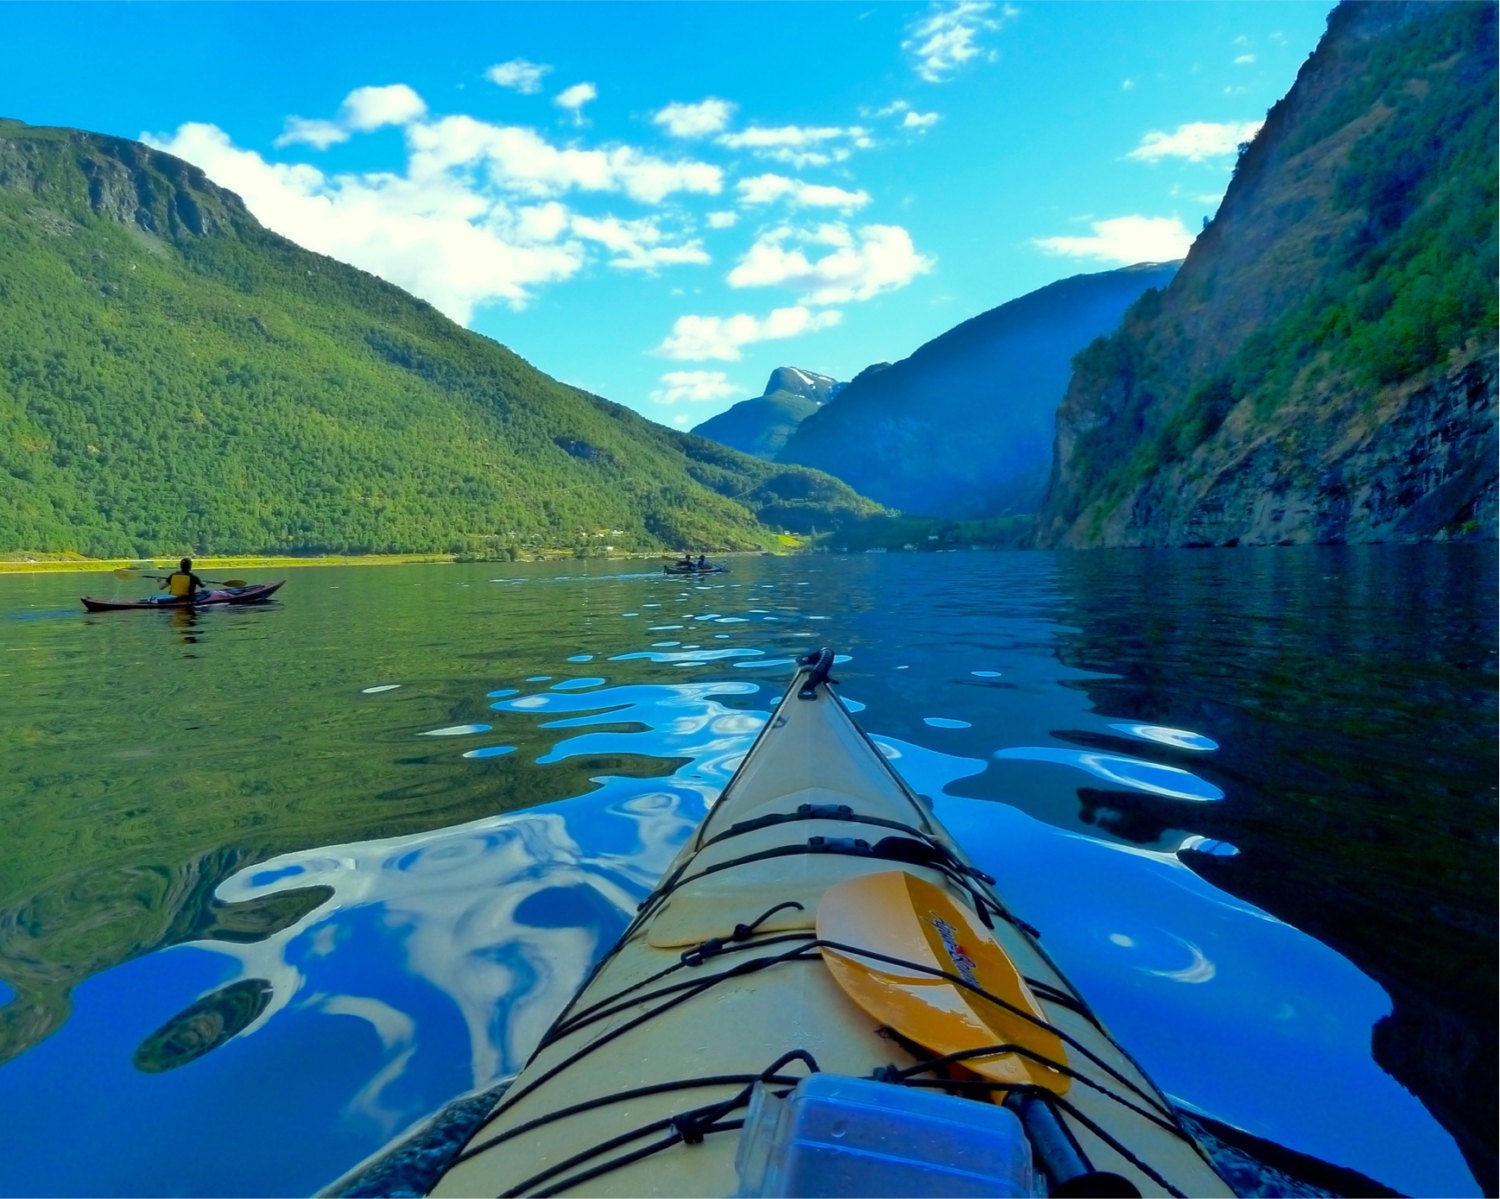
point(176, 378)
point(1323, 367)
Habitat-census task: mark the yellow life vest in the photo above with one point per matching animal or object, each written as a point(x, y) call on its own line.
point(179, 584)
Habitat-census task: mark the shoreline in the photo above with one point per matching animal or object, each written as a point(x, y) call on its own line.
point(62, 564)
point(70, 565)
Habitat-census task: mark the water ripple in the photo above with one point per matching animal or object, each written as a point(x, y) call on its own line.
point(1176, 738)
point(577, 684)
point(689, 655)
point(1138, 775)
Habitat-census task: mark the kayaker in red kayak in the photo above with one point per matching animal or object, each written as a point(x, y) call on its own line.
point(182, 584)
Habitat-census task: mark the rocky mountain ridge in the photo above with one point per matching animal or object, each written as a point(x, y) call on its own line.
point(1323, 367)
point(963, 427)
point(761, 426)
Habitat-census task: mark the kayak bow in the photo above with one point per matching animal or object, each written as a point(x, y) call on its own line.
point(817, 966)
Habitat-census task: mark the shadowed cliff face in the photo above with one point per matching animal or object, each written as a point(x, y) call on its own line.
point(963, 427)
point(1322, 369)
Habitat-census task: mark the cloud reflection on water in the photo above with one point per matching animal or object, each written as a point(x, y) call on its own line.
point(1134, 773)
point(502, 916)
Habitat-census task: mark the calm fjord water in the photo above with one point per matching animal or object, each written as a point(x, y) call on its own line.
point(277, 883)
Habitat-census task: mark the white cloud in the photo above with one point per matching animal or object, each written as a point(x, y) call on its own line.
point(696, 387)
point(766, 189)
point(799, 145)
point(575, 97)
point(367, 108)
point(364, 109)
point(518, 75)
point(694, 338)
point(637, 245)
point(948, 37)
point(881, 259)
point(1127, 85)
point(1196, 142)
point(910, 118)
point(435, 237)
point(305, 131)
point(521, 160)
point(543, 222)
point(1244, 60)
point(722, 220)
point(1125, 240)
point(695, 120)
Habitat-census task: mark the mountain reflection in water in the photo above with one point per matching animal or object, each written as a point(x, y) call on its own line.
point(1247, 796)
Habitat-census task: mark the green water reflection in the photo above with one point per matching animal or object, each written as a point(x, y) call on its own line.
point(150, 755)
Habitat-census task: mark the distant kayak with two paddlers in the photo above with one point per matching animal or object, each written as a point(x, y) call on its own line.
point(692, 568)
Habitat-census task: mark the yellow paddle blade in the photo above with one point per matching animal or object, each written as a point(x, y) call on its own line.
point(906, 917)
point(126, 572)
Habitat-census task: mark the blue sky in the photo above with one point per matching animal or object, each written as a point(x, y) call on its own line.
point(663, 202)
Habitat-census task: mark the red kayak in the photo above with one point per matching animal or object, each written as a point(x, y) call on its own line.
point(255, 593)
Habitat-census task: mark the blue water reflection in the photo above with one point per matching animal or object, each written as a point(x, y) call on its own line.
point(433, 969)
point(1216, 998)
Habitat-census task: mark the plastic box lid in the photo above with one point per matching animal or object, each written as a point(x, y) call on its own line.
point(838, 1136)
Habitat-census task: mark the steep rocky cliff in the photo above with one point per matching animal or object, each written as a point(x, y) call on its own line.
point(761, 426)
point(1323, 367)
point(963, 427)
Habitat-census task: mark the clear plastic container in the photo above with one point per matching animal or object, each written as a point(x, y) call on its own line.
point(835, 1136)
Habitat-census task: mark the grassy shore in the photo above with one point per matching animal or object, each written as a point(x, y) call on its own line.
point(32, 563)
point(37, 563)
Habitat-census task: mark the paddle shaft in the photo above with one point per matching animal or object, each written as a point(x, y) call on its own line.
point(1054, 1148)
point(1059, 1156)
point(126, 573)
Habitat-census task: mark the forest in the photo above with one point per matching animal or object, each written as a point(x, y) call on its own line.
point(176, 379)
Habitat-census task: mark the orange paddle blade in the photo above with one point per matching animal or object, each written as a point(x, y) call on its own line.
point(906, 917)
